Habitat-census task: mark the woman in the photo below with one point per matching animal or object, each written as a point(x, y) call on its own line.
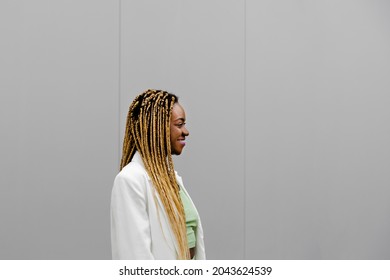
point(152, 215)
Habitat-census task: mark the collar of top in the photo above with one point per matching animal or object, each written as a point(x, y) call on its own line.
point(138, 159)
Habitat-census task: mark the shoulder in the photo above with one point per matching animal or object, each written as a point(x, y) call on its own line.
point(133, 177)
point(133, 170)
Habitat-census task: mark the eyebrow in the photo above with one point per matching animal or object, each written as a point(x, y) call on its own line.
point(180, 119)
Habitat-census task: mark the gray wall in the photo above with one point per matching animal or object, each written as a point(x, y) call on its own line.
point(287, 106)
point(59, 127)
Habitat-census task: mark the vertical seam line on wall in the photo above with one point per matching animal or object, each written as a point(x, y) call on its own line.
point(244, 129)
point(119, 79)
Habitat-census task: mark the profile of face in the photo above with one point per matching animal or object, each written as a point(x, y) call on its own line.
point(179, 131)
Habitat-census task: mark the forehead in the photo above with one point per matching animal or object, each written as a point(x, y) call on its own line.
point(178, 112)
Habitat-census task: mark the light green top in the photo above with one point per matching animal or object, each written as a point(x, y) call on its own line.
point(191, 219)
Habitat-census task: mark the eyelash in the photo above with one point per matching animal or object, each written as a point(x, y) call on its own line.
point(181, 124)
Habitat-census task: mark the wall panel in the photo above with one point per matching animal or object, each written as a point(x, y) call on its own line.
point(196, 50)
point(317, 130)
point(59, 99)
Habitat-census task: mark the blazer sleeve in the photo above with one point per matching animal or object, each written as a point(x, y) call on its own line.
point(130, 227)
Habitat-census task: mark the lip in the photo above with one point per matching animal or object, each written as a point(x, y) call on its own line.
point(182, 141)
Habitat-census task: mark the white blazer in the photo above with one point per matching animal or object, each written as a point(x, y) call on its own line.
point(137, 233)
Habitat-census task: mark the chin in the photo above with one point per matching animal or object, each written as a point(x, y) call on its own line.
point(176, 152)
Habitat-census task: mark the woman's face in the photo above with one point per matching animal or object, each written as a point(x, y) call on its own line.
point(178, 129)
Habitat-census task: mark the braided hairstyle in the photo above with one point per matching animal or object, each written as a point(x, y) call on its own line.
point(148, 132)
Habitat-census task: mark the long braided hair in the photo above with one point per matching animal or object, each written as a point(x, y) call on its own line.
point(148, 132)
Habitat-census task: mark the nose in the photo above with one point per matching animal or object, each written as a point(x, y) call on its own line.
point(185, 131)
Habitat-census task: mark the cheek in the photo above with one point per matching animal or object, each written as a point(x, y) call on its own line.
point(175, 132)
point(173, 135)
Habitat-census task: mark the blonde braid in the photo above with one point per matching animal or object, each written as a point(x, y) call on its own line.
point(148, 132)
